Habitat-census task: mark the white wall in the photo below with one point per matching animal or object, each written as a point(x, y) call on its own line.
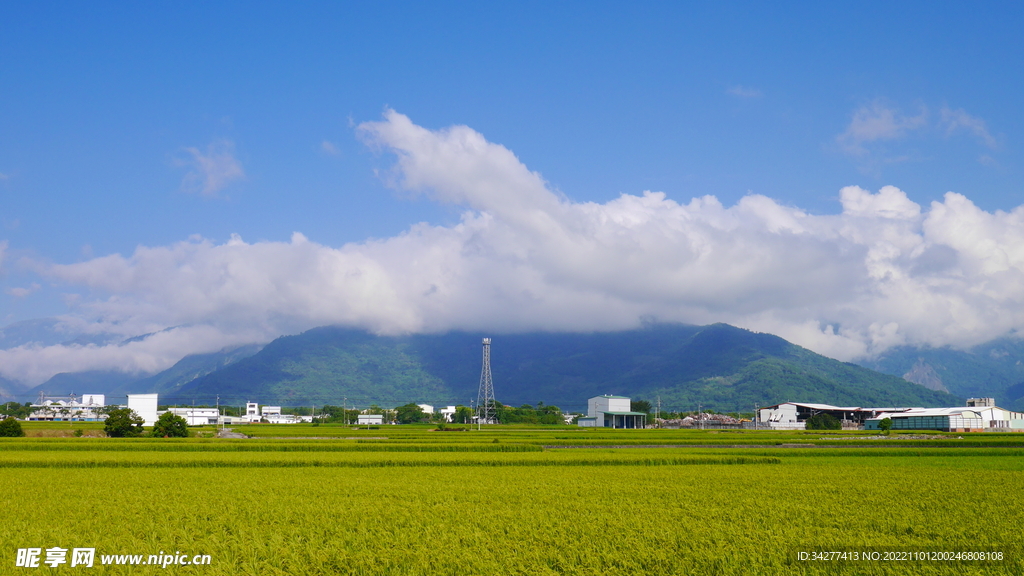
point(145, 406)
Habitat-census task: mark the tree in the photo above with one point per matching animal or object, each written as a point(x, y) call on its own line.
point(640, 406)
point(824, 421)
point(885, 425)
point(463, 415)
point(11, 428)
point(170, 425)
point(123, 423)
point(409, 414)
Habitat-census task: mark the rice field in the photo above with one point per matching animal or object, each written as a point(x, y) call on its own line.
point(518, 501)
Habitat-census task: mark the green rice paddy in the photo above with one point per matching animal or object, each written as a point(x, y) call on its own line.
point(406, 500)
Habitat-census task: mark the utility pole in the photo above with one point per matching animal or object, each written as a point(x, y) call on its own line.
point(700, 416)
point(344, 409)
point(757, 414)
point(657, 413)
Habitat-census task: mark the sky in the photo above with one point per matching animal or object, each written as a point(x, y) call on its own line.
point(848, 176)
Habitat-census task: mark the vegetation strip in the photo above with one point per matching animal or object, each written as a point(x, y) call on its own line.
point(392, 463)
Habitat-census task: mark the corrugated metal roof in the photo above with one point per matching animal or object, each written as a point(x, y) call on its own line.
point(932, 412)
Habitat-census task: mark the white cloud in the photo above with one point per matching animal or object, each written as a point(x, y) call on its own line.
point(885, 271)
point(744, 92)
point(329, 148)
point(4, 176)
point(956, 120)
point(22, 292)
point(876, 122)
point(212, 171)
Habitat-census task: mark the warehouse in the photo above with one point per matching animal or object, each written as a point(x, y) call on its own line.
point(979, 415)
point(794, 415)
point(611, 412)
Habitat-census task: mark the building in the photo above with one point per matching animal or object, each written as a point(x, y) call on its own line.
point(979, 415)
point(370, 419)
point(448, 412)
point(794, 415)
point(611, 412)
point(427, 408)
point(252, 411)
point(69, 408)
point(197, 416)
point(145, 405)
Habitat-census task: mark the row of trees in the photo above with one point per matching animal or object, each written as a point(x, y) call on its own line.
point(125, 423)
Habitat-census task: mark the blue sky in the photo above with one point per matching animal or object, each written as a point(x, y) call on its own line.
point(126, 125)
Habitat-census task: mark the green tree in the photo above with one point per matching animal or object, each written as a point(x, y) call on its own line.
point(123, 423)
point(170, 425)
point(640, 406)
point(463, 415)
point(885, 425)
point(824, 421)
point(10, 428)
point(409, 414)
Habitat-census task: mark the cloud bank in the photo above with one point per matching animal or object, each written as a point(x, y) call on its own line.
point(883, 272)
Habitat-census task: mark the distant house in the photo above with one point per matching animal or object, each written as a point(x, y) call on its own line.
point(427, 408)
point(370, 419)
point(611, 412)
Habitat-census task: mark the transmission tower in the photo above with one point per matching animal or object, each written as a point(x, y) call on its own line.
point(486, 413)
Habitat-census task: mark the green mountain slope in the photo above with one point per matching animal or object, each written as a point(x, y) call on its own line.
point(718, 366)
point(994, 369)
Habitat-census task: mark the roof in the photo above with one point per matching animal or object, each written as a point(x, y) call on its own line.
point(932, 412)
point(838, 408)
point(626, 413)
point(610, 396)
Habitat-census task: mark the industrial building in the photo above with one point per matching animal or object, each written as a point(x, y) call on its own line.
point(980, 414)
point(794, 415)
point(611, 412)
point(197, 416)
point(69, 408)
point(145, 405)
point(370, 419)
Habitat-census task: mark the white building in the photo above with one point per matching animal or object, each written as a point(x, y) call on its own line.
point(611, 412)
point(979, 415)
point(69, 408)
point(145, 405)
point(252, 411)
point(794, 415)
point(448, 412)
point(197, 416)
point(94, 400)
point(427, 408)
point(370, 419)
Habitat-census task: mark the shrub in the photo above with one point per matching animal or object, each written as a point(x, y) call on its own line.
point(885, 424)
point(11, 428)
point(123, 423)
point(824, 422)
point(170, 425)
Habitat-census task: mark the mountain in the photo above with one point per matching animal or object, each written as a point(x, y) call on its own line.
point(41, 331)
point(991, 370)
point(115, 385)
point(718, 366)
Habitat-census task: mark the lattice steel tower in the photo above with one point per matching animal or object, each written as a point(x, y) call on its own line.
point(485, 411)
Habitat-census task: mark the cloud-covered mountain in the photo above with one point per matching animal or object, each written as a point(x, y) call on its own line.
point(718, 366)
point(884, 272)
